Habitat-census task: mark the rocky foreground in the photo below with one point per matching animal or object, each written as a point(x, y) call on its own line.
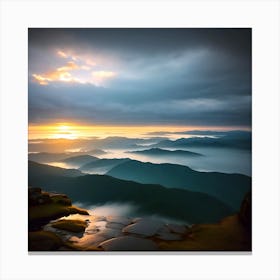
point(71, 228)
point(46, 206)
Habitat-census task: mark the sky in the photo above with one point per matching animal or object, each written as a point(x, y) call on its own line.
point(164, 79)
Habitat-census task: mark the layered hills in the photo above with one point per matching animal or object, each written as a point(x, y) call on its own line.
point(230, 139)
point(164, 152)
point(229, 188)
point(192, 207)
point(102, 166)
point(77, 161)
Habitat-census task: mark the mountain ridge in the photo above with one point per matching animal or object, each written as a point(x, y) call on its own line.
point(192, 207)
point(164, 152)
point(229, 188)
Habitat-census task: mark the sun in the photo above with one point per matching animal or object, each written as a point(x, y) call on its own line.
point(64, 128)
point(65, 132)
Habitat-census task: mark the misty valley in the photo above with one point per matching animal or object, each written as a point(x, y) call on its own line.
point(139, 139)
point(149, 193)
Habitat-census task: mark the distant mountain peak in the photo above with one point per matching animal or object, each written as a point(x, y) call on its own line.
point(165, 152)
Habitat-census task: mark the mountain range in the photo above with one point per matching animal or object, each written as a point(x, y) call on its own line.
point(35, 169)
point(163, 152)
point(77, 161)
point(192, 207)
point(102, 166)
point(231, 139)
point(229, 188)
point(45, 157)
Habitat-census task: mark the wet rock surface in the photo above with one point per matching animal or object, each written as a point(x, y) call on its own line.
point(181, 229)
point(57, 225)
point(144, 227)
point(115, 233)
point(120, 220)
point(128, 243)
point(114, 225)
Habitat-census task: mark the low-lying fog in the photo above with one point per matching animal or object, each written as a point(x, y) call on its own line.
point(213, 159)
point(124, 210)
point(227, 160)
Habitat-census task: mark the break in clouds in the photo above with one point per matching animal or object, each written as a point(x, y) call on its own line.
point(140, 76)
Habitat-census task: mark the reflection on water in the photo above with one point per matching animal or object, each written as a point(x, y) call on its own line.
point(132, 233)
point(121, 210)
point(110, 209)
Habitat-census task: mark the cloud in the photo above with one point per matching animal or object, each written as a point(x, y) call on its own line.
point(67, 55)
point(73, 55)
point(68, 67)
point(62, 74)
point(62, 54)
point(42, 80)
point(99, 77)
point(98, 105)
point(131, 42)
point(141, 76)
point(192, 133)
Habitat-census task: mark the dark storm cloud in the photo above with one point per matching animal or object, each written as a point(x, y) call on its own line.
point(150, 41)
point(164, 76)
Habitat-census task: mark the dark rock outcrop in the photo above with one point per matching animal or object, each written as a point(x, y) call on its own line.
point(245, 213)
point(232, 233)
point(36, 197)
point(44, 206)
point(43, 241)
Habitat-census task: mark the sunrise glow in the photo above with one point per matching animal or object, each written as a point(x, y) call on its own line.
point(76, 131)
point(151, 125)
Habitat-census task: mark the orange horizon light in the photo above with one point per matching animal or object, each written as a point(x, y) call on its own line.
point(69, 130)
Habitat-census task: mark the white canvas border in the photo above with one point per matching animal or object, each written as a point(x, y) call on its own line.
point(262, 16)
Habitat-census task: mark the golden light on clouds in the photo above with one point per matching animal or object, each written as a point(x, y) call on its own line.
point(77, 131)
point(99, 77)
point(85, 67)
point(83, 58)
point(60, 74)
point(90, 62)
point(42, 80)
point(68, 67)
point(78, 70)
point(63, 128)
point(62, 54)
point(62, 131)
